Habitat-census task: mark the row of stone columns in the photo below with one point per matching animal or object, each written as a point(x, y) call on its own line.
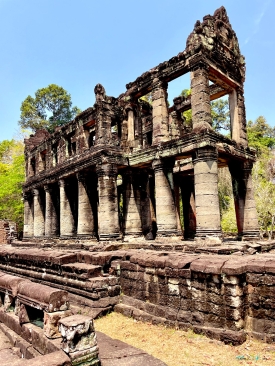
point(98, 207)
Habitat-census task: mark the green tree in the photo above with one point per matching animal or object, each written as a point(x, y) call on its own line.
point(262, 137)
point(264, 190)
point(11, 178)
point(51, 107)
point(220, 115)
point(187, 115)
point(260, 134)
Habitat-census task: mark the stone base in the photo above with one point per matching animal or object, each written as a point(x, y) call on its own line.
point(109, 237)
point(249, 235)
point(87, 238)
point(207, 233)
point(208, 241)
point(137, 235)
point(165, 234)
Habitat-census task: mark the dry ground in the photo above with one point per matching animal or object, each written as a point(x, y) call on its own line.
point(179, 348)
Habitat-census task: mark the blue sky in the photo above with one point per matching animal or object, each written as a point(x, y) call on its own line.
point(79, 43)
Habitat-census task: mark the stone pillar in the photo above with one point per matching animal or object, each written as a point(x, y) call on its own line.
point(200, 98)
point(177, 194)
point(175, 125)
point(108, 221)
point(245, 207)
point(66, 216)
point(160, 112)
point(165, 205)
point(103, 119)
point(147, 210)
point(51, 216)
point(238, 117)
point(85, 225)
point(38, 214)
point(189, 208)
point(206, 192)
point(132, 204)
point(131, 124)
point(28, 216)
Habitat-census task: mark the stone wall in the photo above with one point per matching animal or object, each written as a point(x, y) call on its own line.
point(225, 297)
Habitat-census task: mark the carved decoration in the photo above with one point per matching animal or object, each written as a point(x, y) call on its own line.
point(215, 34)
point(100, 93)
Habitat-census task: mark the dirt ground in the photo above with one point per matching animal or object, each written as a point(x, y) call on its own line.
point(179, 348)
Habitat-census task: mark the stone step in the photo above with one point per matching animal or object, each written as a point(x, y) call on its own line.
point(81, 270)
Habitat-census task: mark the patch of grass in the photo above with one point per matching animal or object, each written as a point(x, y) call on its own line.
point(179, 348)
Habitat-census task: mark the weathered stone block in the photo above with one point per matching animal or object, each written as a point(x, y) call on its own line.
point(77, 332)
point(51, 321)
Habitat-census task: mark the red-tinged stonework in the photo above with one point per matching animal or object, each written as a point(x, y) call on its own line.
point(8, 231)
point(104, 199)
point(115, 171)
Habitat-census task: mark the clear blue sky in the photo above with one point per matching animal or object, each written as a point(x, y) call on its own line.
point(79, 43)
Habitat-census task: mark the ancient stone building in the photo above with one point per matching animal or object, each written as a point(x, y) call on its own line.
point(125, 167)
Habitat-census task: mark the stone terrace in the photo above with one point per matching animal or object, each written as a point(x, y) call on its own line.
point(222, 296)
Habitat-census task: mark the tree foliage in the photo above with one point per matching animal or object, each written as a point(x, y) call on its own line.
point(51, 107)
point(220, 115)
point(264, 190)
point(11, 178)
point(260, 134)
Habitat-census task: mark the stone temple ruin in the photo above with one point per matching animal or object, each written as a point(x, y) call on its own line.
point(114, 181)
point(126, 150)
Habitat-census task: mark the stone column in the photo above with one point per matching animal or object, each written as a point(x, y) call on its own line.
point(66, 216)
point(245, 207)
point(147, 210)
point(132, 204)
point(160, 112)
point(177, 194)
point(206, 192)
point(131, 124)
point(38, 214)
point(28, 216)
point(108, 221)
point(175, 125)
point(189, 208)
point(165, 205)
point(51, 216)
point(200, 98)
point(85, 225)
point(238, 117)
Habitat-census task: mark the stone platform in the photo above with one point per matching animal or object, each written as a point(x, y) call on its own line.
point(222, 291)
